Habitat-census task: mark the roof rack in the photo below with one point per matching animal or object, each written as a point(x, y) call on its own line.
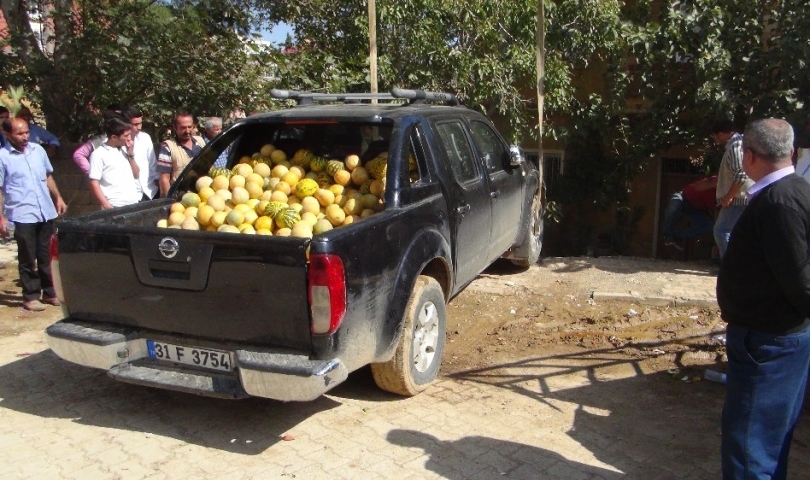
point(413, 96)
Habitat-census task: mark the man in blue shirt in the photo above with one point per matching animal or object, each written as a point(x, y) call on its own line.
point(29, 198)
point(37, 134)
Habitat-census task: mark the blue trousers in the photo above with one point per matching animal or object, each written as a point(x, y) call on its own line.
point(767, 377)
point(726, 219)
point(700, 221)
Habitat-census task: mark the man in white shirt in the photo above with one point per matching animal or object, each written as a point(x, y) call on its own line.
point(143, 151)
point(114, 178)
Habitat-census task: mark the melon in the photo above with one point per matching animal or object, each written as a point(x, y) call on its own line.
point(278, 196)
point(218, 219)
point(306, 187)
point(325, 197)
point(279, 171)
point(318, 164)
point(254, 191)
point(377, 188)
point(359, 175)
point(216, 202)
point(239, 195)
point(264, 231)
point(267, 150)
point(243, 170)
point(287, 217)
point(324, 180)
point(334, 166)
point(247, 229)
point(351, 219)
point(235, 218)
point(298, 170)
point(177, 207)
point(263, 223)
point(162, 223)
point(255, 178)
point(225, 228)
point(273, 208)
point(309, 218)
point(203, 182)
point(291, 179)
point(220, 182)
point(301, 229)
point(251, 216)
point(335, 215)
point(243, 208)
point(322, 225)
point(224, 193)
point(176, 218)
point(262, 169)
point(205, 193)
point(369, 201)
point(283, 187)
point(351, 162)
point(377, 167)
point(190, 212)
point(352, 207)
point(283, 232)
point(336, 189)
point(343, 177)
point(311, 204)
point(236, 181)
point(190, 223)
point(367, 212)
point(204, 214)
point(278, 156)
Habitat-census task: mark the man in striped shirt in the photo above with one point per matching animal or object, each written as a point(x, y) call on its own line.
point(732, 182)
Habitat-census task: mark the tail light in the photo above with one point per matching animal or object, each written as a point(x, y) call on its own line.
point(56, 278)
point(327, 293)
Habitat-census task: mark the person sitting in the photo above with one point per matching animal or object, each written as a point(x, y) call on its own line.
point(697, 203)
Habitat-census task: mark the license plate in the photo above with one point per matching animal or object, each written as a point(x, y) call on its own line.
point(196, 357)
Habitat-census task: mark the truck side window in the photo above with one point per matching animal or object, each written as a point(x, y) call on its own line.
point(490, 145)
point(457, 149)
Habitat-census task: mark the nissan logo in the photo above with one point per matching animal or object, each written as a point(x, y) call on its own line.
point(169, 247)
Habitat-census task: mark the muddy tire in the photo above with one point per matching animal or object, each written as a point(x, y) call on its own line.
point(416, 362)
point(529, 251)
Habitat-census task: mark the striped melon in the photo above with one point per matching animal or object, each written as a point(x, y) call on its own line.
point(377, 167)
point(334, 166)
point(272, 208)
point(318, 164)
point(287, 217)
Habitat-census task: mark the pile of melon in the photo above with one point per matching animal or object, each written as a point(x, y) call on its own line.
point(268, 194)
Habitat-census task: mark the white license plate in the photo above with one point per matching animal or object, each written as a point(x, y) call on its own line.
point(197, 357)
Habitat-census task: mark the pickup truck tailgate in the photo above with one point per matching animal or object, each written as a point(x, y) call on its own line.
point(222, 287)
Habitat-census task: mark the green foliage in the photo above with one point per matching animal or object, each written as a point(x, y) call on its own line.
point(160, 56)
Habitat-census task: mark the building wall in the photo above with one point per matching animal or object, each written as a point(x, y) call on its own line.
point(72, 182)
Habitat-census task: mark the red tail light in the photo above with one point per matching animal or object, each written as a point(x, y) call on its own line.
point(327, 293)
point(55, 277)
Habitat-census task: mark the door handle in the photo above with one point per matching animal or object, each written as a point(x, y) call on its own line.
point(464, 208)
point(495, 193)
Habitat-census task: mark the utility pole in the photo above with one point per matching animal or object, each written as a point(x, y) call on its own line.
point(541, 77)
point(372, 46)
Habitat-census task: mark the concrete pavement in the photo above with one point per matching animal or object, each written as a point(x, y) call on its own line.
point(575, 414)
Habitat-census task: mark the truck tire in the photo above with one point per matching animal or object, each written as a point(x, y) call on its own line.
point(416, 362)
point(529, 251)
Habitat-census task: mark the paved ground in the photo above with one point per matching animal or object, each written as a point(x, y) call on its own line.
point(568, 415)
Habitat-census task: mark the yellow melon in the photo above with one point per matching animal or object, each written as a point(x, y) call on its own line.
point(283, 232)
point(225, 228)
point(335, 215)
point(311, 204)
point(190, 212)
point(176, 218)
point(251, 216)
point(369, 201)
point(235, 218)
point(190, 223)
point(236, 181)
point(243, 170)
point(263, 223)
point(309, 217)
point(254, 191)
point(352, 207)
point(278, 156)
point(264, 231)
point(351, 219)
point(216, 202)
point(220, 182)
point(301, 229)
point(177, 207)
point(162, 223)
point(278, 196)
point(298, 170)
point(377, 188)
point(336, 189)
point(325, 197)
point(243, 208)
point(322, 225)
point(204, 214)
point(291, 179)
point(367, 212)
point(218, 219)
point(247, 229)
point(205, 193)
point(224, 193)
point(359, 175)
point(343, 177)
point(255, 178)
point(279, 171)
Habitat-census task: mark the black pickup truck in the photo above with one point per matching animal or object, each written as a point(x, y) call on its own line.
point(288, 318)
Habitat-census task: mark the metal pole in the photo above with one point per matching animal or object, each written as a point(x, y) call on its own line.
point(541, 76)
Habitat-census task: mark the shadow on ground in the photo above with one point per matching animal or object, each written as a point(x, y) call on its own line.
point(46, 386)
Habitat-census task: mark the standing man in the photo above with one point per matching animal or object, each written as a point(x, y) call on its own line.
point(763, 290)
point(29, 198)
point(114, 174)
point(732, 183)
point(39, 135)
point(211, 128)
point(176, 152)
point(142, 151)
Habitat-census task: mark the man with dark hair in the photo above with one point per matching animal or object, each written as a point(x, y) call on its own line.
point(113, 175)
point(142, 151)
point(763, 290)
point(732, 183)
point(30, 199)
point(176, 152)
point(37, 134)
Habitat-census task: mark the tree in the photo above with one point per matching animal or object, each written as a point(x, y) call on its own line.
point(76, 56)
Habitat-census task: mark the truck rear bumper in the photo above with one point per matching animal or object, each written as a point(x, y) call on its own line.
point(122, 352)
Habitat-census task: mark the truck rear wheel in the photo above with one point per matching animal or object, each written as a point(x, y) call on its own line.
point(529, 251)
point(416, 362)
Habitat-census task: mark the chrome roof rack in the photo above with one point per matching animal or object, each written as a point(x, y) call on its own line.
point(413, 96)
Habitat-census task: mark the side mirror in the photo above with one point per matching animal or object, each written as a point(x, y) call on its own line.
point(516, 156)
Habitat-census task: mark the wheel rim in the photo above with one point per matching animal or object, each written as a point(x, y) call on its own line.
point(425, 337)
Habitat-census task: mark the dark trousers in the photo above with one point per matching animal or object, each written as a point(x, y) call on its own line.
point(34, 258)
point(767, 375)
